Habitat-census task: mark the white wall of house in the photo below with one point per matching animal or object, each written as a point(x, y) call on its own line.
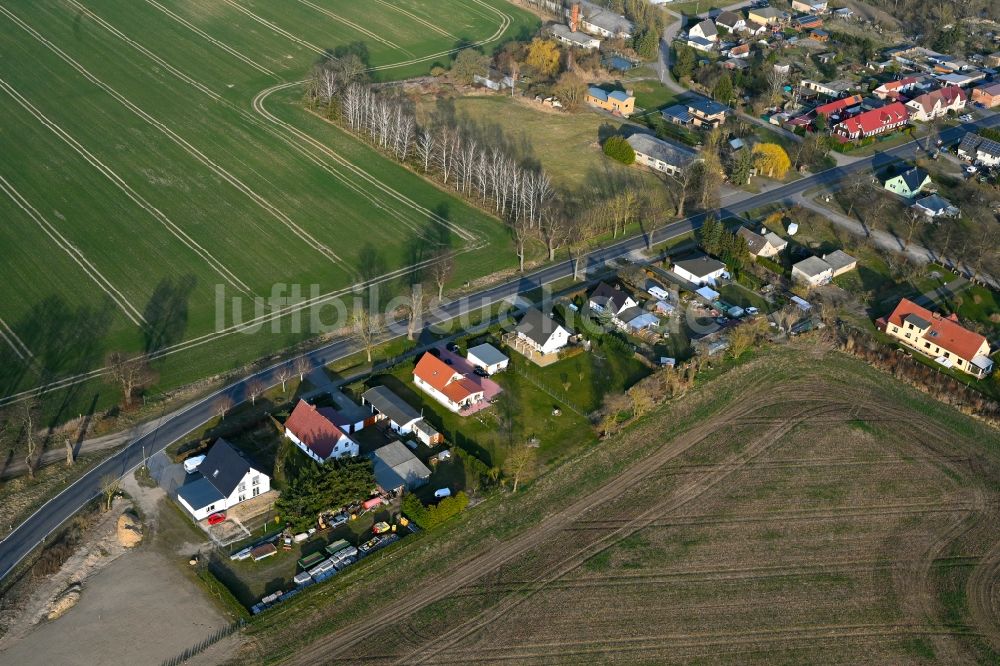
point(812, 280)
point(489, 368)
point(699, 280)
point(556, 341)
point(204, 512)
point(252, 484)
point(345, 447)
point(445, 400)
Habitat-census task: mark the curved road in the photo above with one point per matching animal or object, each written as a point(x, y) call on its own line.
point(29, 534)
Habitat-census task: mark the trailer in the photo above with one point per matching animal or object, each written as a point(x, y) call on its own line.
point(337, 546)
point(260, 552)
point(309, 561)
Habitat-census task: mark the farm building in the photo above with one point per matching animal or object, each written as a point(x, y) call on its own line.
point(582, 40)
point(397, 469)
point(224, 479)
point(812, 271)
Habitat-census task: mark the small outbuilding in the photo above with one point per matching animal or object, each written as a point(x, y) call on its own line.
point(397, 469)
point(487, 357)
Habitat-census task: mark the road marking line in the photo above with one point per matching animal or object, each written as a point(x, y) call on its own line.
point(74, 253)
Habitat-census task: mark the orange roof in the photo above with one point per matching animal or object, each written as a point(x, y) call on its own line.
point(945, 332)
point(315, 428)
point(442, 377)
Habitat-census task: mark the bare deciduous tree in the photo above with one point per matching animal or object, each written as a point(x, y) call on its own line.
point(283, 374)
point(366, 327)
point(27, 417)
point(129, 371)
point(519, 463)
point(441, 270)
point(255, 388)
point(110, 485)
point(222, 406)
point(302, 366)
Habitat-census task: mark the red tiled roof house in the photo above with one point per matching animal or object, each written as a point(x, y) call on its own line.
point(874, 122)
point(941, 338)
point(314, 431)
point(937, 103)
point(440, 381)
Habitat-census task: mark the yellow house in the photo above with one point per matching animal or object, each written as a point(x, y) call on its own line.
point(767, 16)
point(941, 338)
point(616, 101)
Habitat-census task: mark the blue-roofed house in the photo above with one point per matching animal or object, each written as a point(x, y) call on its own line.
point(224, 479)
point(619, 102)
point(707, 112)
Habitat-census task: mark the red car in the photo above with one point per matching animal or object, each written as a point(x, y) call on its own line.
point(216, 518)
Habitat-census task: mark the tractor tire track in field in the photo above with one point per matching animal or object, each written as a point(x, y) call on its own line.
point(983, 594)
point(16, 344)
point(222, 45)
point(872, 511)
point(271, 127)
point(354, 26)
point(416, 19)
point(75, 254)
point(667, 641)
point(267, 24)
point(708, 574)
point(215, 168)
point(138, 199)
point(677, 499)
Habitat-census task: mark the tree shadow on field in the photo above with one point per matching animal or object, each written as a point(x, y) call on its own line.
point(166, 312)
point(426, 243)
point(371, 266)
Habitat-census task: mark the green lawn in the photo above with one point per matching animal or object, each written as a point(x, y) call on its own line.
point(743, 297)
point(139, 180)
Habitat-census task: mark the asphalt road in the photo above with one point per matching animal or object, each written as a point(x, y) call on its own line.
point(40, 525)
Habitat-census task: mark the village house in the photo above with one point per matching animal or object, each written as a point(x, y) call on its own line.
point(764, 244)
point(767, 16)
point(935, 206)
point(961, 79)
point(541, 333)
point(821, 36)
point(731, 21)
point(494, 80)
point(874, 122)
point(700, 271)
point(937, 103)
point(315, 431)
point(807, 22)
point(659, 154)
point(618, 102)
point(896, 89)
point(817, 271)
point(988, 95)
point(569, 37)
point(400, 416)
point(443, 383)
point(833, 89)
point(979, 150)
point(908, 183)
point(739, 51)
point(809, 6)
point(224, 479)
point(838, 108)
point(705, 30)
point(600, 21)
point(940, 338)
point(611, 301)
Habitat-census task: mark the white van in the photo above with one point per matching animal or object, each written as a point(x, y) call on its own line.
point(441, 493)
point(191, 464)
point(658, 292)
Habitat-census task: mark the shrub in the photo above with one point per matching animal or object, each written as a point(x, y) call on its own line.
point(617, 148)
point(428, 517)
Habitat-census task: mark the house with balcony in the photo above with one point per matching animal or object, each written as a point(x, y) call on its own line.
point(941, 338)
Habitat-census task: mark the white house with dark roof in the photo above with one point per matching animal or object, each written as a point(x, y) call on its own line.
point(700, 270)
point(224, 478)
point(706, 30)
point(660, 155)
point(541, 332)
point(979, 150)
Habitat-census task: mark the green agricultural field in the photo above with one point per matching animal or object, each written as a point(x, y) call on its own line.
point(156, 162)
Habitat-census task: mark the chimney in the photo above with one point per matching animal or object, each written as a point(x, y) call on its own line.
point(574, 17)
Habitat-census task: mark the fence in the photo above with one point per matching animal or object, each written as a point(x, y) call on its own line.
point(195, 650)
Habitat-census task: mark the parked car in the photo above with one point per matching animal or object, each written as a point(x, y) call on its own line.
point(381, 528)
point(752, 310)
point(441, 493)
point(480, 371)
point(338, 520)
point(453, 348)
point(413, 445)
point(216, 518)
point(966, 117)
